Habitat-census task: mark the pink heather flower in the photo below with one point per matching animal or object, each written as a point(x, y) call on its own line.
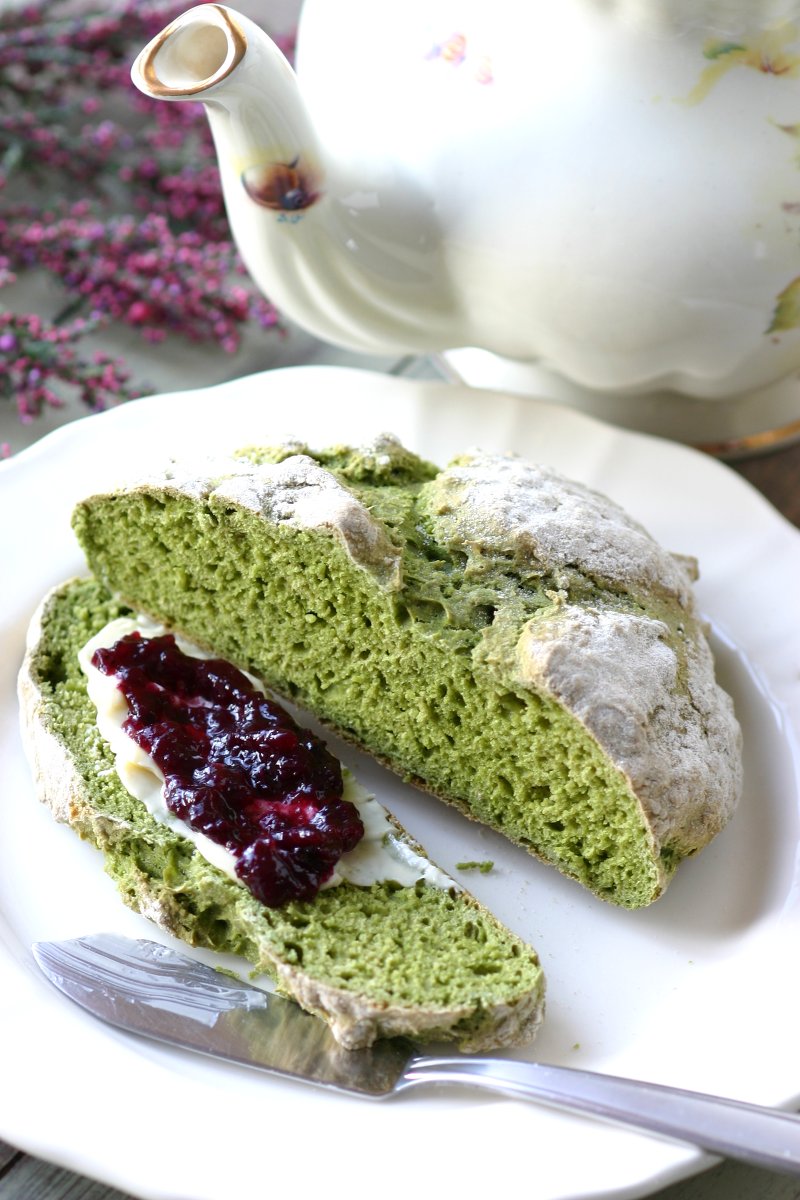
point(141, 273)
point(40, 367)
point(140, 235)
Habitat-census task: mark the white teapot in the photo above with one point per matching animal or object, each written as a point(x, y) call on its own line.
point(607, 190)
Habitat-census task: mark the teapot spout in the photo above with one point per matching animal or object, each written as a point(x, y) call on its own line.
point(263, 136)
point(192, 55)
point(301, 236)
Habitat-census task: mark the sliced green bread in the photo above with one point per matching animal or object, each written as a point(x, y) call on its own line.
point(424, 960)
point(509, 639)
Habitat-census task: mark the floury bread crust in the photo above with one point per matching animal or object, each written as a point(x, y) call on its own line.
point(423, 961)
point(510, 639)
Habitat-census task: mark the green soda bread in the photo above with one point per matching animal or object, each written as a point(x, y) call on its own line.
point(509, 640)
point(422, 959)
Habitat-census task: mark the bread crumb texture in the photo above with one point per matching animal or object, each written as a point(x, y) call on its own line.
point(509, 639)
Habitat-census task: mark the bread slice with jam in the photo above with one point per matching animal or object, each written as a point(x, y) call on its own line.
point(404, 951)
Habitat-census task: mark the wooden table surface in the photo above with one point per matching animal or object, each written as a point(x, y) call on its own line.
point(777, 476)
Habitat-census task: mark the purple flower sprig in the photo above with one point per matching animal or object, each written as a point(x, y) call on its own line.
point(138, 233)
point(59, 64)
point(138, 272)
point(40, 366)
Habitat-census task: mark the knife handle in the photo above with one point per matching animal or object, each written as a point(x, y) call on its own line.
point(748, 1132)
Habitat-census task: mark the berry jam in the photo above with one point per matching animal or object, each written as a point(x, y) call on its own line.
point(237, 768)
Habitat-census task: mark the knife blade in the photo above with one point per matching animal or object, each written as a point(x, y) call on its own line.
point(149, 989)
point(146, 988)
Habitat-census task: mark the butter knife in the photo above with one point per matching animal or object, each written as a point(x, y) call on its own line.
point(149, 989)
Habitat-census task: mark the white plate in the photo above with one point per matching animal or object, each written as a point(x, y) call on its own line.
point(699, 990)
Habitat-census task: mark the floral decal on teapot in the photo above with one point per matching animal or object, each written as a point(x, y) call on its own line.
point(285, 187)
point(773, 52)
point(456, 51)
point(786, 314)
point(767, 53)
point(787, 309)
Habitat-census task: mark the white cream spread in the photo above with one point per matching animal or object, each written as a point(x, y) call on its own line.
point(381, 855)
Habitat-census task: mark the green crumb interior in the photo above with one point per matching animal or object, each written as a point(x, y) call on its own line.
point(413, 947)
point(409, 672)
